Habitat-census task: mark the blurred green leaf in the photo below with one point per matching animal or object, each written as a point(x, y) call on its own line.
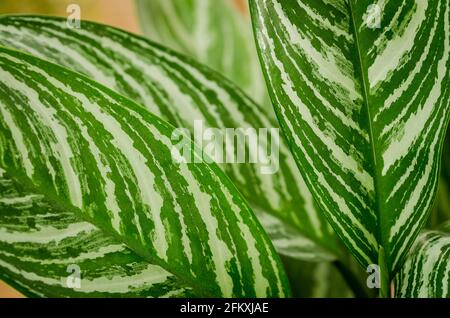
point(216, 33)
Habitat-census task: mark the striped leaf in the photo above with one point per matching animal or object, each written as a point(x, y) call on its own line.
point(426, 272)
point(107, 160)
point(215, 32)
point(40, 242)
point(181, 91)
point(364, 107)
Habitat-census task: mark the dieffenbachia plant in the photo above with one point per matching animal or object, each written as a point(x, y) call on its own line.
point(43, 232)
point(85, 150)
point(181, 91)
point(364, 103)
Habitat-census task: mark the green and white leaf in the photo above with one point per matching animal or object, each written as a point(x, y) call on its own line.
point(216, 33)
point(364, 109)
point(104, 158)
point(426, 272)
point(181, 91)
point(40, 243)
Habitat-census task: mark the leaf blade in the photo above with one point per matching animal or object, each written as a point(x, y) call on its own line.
point(113, 145)
point(322, 67)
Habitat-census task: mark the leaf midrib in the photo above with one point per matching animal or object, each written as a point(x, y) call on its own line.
point(364, 82)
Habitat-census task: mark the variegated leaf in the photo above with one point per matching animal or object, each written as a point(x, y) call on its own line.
point(216, 33)
point(426, 272)
point(104, 158)
point(182, 91)
point(364, 106)
point(39, 243)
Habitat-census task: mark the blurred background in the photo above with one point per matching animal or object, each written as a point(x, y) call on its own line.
point(118, 13)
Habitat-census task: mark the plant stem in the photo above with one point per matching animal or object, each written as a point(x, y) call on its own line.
point(352, 281)
point(384, 274)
